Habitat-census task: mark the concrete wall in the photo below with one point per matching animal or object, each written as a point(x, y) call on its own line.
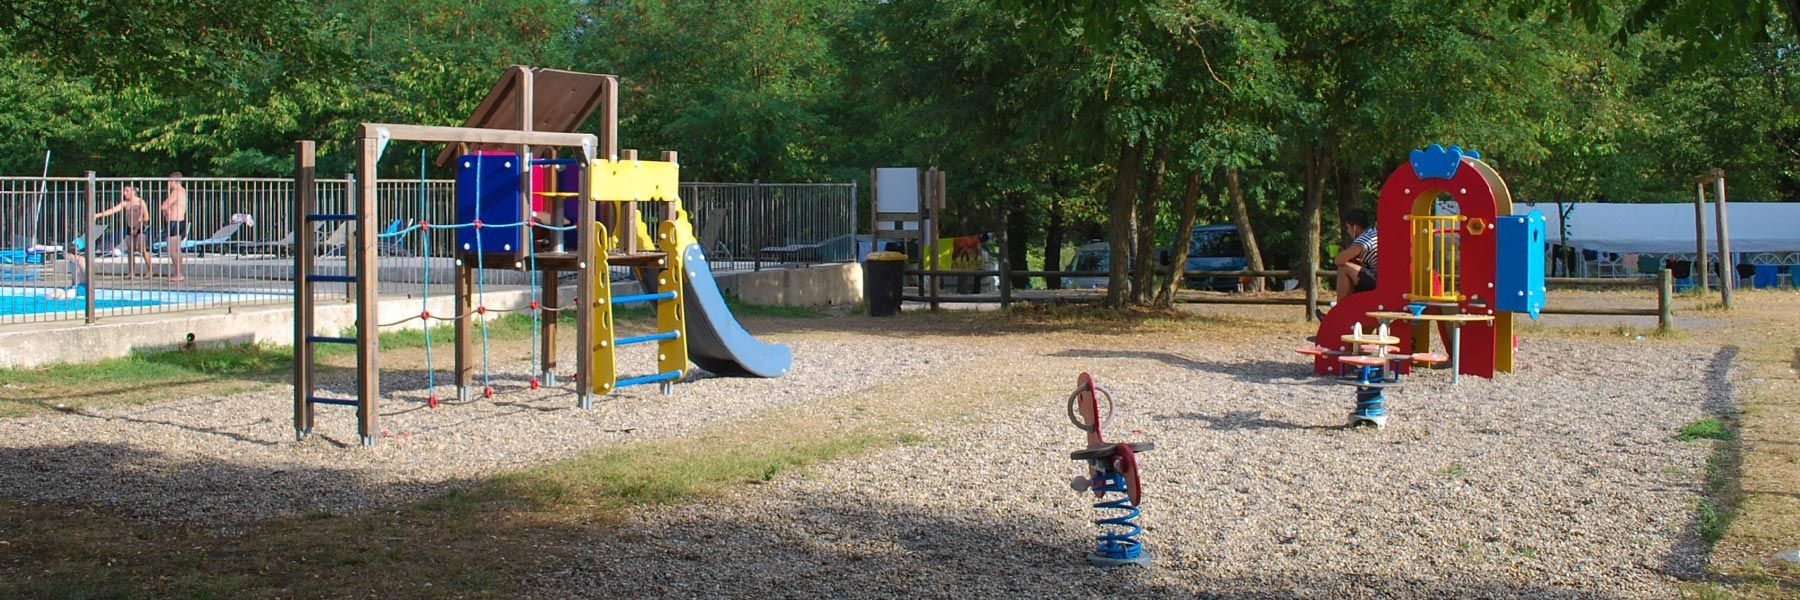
point(38, 344)
point(818, 285)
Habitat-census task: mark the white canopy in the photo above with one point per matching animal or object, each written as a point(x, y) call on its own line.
point(1669, 228)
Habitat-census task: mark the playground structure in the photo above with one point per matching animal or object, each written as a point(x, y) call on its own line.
point(513, 212)
point(1469, 264)
point(1112, 468)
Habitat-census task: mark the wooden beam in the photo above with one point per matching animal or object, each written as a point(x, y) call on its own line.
point(467, 135)
point(552, 298)
point(305, 198)
point(587, 269)
point(1700, 258)
point(368, 315)
point(1727, 267)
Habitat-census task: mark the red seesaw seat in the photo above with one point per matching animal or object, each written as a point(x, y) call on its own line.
point(1314, 351)
point(1366, 361)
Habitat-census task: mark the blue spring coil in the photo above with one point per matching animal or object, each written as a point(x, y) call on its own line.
point(1118, 533)
point(1369, 400)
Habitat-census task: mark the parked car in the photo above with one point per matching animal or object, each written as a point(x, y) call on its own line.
point(1092, 256)
point(1216, 248)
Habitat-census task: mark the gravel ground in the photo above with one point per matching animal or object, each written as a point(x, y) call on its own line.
point(230, 460)
point(1562, 481)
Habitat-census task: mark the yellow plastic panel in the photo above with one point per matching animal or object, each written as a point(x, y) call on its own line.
point(671, 315)
point(604, 368)
point(633, 180)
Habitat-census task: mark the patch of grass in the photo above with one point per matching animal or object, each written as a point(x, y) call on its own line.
point(1704, 591)
point(141, 377)
point(910, 438)
point(1454, 470)
point(665, 472)
point(1708, 520)
point(1709, 428)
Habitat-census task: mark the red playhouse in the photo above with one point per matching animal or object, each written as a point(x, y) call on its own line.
point(1452, 254)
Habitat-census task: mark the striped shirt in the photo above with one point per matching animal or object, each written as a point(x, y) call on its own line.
point(1369, 249)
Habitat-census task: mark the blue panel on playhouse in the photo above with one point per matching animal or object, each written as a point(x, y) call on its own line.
point(487, 187)
point(1434, 162)
point(1519, 276)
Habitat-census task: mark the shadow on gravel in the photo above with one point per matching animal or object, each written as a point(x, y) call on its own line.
point(1239, 420)
point(157, 486)
point(847, 545)
point(1268, 372)
point(1724, 477)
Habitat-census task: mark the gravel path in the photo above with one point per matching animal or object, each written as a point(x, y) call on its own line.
point(1560, 481)
point(229, 460)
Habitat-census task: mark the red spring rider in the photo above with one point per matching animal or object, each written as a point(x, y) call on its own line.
point(1112, 468)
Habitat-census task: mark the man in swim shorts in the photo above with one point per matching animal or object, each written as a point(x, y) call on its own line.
point(174, 212)
point(137, 216)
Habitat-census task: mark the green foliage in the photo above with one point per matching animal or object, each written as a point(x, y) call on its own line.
point(1710, 428)
point(1025, 102)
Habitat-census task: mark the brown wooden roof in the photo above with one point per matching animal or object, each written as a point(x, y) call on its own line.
point(561, 102)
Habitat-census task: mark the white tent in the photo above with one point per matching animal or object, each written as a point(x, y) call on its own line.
point(1755, 227)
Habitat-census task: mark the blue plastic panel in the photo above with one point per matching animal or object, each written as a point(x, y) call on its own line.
point(487, 187)
point(1519, 276)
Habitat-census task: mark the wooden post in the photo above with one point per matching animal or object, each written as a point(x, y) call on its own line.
point(368, 343)
point(1700, 235)
point(587, 268)
point(1727, 266)
point(629, 221)
point(464, 309)
point(305, 199)
point(1005, 261)
point(527, 97)
point(552, 299)
point(590, 265)
point(1665, 301)
point(874, 211)
point(87, 252)
point(934, 283)
point(670, 208)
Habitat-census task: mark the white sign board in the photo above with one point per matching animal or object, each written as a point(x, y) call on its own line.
point(897, 190)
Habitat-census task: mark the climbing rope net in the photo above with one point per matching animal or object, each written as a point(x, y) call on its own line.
point(480, 309)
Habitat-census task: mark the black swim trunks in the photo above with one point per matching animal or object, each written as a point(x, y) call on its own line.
point(1365, 280)
point(178, 229)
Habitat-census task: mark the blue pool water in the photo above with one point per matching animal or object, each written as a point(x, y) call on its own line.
point(16, 300)
point(12, 304)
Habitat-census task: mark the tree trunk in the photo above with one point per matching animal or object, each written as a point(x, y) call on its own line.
point(1053, 242)
point(1019, 224)
point(1316, 169)
point(1184, 236)
point(1240, 216)
point(1119, 209)
point(1343, 185)
point(1143, 271)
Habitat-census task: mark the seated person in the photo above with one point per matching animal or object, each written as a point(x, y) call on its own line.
point(72, 254)
point(1356, 262)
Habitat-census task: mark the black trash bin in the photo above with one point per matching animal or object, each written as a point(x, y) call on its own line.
point(884, 274)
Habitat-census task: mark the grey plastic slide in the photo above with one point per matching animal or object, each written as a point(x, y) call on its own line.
point(716, 342)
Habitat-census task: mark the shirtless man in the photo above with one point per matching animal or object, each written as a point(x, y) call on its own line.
point(137, 215)
point(174, 212)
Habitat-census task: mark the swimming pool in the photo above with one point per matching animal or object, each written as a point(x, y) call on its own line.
point(22, 300)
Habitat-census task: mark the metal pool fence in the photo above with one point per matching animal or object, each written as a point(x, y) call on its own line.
point(237, 251)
